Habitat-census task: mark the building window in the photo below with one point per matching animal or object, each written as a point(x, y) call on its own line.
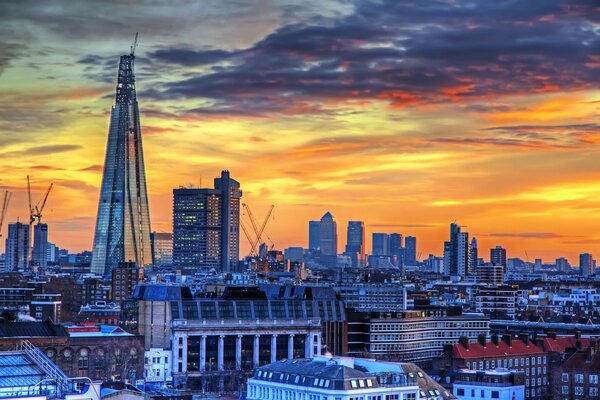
point(565, 377)
point(578, 390)
point(594, 391)
point(565, 390)
point(578, 378)
point(594, 379)
point(460, 392)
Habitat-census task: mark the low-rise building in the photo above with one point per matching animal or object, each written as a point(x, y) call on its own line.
point(411, 336)
point(500, 383)
point(343, 378)
point(520, 355)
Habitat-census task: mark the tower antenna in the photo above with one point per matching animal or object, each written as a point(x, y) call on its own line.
point(134, 44)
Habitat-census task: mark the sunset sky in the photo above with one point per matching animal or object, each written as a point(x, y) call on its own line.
point(407, 115)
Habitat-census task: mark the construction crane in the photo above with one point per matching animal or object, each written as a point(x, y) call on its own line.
point(35, 212)
point(258, 231)
point(5, 202)
point(134, 44)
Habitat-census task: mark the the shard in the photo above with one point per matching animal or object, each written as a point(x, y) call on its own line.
point(123, 223)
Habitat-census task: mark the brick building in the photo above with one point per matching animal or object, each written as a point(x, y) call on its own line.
point(506, 352)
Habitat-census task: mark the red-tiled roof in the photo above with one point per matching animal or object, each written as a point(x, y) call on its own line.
point(578, 360)
point(476, 350)
point(561, 343)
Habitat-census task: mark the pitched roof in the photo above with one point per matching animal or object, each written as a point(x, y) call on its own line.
point(476, 350)
point(561, 343)
point(578, 361)
point(31, 329)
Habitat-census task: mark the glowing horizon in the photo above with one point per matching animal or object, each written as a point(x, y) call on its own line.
point(405, 117)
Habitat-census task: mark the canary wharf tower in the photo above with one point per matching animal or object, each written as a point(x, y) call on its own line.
point(123, 223)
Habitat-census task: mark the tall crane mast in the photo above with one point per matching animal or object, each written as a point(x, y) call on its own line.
point(257, 230)
point(35, 212)
point(5, 202)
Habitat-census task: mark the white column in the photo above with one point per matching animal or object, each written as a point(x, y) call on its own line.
point(220, 353)
point(256, 350)
point(203, 353)
point(318, 335)
point(290, 347)
point(309, 346)
point(273, 348)
point(184, 354)
point(238, 352)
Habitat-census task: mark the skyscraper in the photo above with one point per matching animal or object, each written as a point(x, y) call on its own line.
point(355, 242)
point(17, 248)
point(456, 253)
point(206, 226)
point(473, 255)
point(380, 244)
point(40, 245)
point(123, 223)
point(586, 264)
point(314, 233)
point(328, 239)
point(498, 256)
point(410, 251)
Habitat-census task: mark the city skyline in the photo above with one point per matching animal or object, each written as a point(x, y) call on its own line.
point(498, 132)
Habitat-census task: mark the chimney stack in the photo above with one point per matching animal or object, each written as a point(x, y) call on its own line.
point(577, 334)
point(495, 339)
point(481, 340)
point(524, 338)
point(507, 338)
point(551, 335)
point(590, 352)
point(464, 341)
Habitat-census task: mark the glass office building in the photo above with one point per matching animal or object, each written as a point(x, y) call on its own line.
point(123, 223)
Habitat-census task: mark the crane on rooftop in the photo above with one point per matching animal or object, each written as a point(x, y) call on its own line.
point(5, 202)
point(134, 44)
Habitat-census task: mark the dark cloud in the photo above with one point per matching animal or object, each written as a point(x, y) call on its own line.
point(396, 51)
point(93, 168)
point(42, 150)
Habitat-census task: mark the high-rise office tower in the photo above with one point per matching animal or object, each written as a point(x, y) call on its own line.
point(123, 223)
point(395, 244)
point(162, 248)
point(380, 245)
point(498, 256)
point(586, 264)
point(473, 255)
point(40, 245)
point(206, 226)
point(410, 251)
point(314, 233)
point(328, 239)
point(562, 264)
point(456, 253)
point(230, 220)
point(17, 248)
point(355, 242)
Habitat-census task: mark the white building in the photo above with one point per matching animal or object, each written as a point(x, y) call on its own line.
point(157, 365)
point(502, 384)
point(343, 378)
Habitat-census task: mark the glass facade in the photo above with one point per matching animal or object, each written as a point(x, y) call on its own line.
point(123, 223)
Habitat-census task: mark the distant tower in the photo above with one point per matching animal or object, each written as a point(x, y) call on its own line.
point(456, 253)
point(40, 245)
point(380, 244)
point(314, 233)
point(123, 223)
point(355, 243)
point(410, 251)
point(473, 256)
point(17, 248)
point(328, 238)
point(498, 256)
point(586, 264)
